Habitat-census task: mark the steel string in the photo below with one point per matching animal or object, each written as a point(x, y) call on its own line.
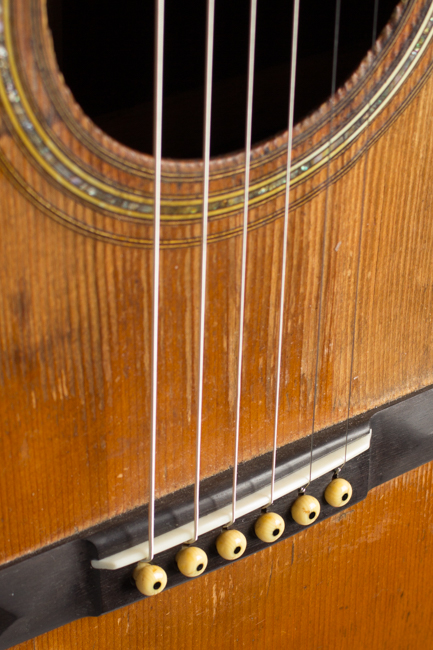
point(295, 30)
point(248, 130)
point(157, 152)
point(358, 268)
point(325, 223)
point(206, 165)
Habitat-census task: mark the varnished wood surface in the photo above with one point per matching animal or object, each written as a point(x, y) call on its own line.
point(75, 356)
point(75, 333)
point(362, 579)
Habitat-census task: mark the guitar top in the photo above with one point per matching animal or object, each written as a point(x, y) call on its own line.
point(76, 319)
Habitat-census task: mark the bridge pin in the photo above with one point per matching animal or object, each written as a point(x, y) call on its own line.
point(338, 492)
point(305, 510)
point(149, 578)
point(231, 544)
point(191, 561)
point(269, 527)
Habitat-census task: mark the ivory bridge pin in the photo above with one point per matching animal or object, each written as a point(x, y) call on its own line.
point(338, 492)
point(231, 544)
point(269, 527)
point(191, 561)
point(149, 578)
point(305, 510)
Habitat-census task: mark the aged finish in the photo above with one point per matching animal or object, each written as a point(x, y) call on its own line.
point(361, 579)
point(75, 313)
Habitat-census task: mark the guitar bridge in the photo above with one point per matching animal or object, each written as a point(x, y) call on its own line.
point(90, 573)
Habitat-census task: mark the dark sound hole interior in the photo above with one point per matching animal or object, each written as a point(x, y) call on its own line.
point(105, 51)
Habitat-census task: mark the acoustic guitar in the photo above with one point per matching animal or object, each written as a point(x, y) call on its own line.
point(196, 336)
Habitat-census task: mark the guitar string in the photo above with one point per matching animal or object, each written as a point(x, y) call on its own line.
point(358, 270)
point(206, 165)
point(159, 39)
point(295, 30)
point(248, 130)
point(325, 230)
point(157, 152)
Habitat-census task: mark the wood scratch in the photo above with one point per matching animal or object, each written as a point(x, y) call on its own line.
point(270, 577)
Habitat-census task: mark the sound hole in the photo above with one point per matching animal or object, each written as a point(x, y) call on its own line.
point(312, 515)
point(105, 51)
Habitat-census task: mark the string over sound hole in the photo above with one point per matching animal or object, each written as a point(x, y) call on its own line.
point(103, 80)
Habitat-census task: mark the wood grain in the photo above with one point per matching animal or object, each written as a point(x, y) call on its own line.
point(75, 333)
point(75, 313)
point(360, 579)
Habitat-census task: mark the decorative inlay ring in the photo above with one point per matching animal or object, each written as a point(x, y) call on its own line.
point(130, 204)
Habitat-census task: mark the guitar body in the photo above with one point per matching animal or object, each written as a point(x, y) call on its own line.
point(75, 335)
